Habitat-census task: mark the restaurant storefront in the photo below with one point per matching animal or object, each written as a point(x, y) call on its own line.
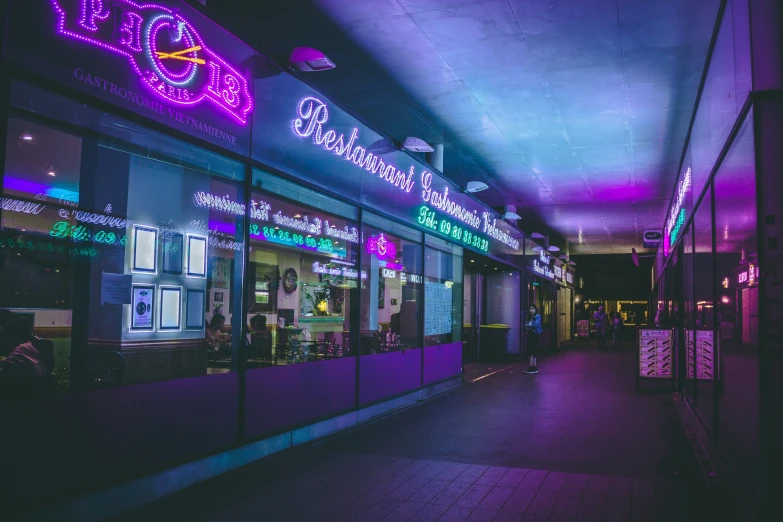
point(198, 237)
point(715, 281)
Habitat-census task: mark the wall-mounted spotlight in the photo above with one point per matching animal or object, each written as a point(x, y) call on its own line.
point(382, 146)
point(414, 144)
point(476, 186)
point(307, 59)
point(510, 212)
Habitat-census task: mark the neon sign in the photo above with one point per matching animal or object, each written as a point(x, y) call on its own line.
point(221, 204)
point(312, 114)
point(381, 247)
point(64, 230)
point(163, 48)
point(743, 277)
point(543, 270)
point(284, 237)
point(490, 228)
point(426, 218)
point(751, 274)
point(442, 202)
point(677, 213)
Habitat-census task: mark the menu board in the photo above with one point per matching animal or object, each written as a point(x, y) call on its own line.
point(437, 308)
point(583, 329)
point(655, 354)
point(142, 307)
point(704, 349)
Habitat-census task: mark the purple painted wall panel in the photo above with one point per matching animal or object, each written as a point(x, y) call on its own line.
point(386, 374)
point(76, 443)
point(284, 396)
point(442, 362)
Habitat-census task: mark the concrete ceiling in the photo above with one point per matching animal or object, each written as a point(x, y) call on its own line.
point(574, 110)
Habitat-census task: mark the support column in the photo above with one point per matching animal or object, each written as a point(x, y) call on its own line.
point(766, 36)
point(435, 158)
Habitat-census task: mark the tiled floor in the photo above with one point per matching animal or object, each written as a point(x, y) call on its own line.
point(574, 442)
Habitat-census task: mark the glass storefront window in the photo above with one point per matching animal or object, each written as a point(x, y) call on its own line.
point(303, 279)
point(111, 258)
point(442, 294)
point(737, 423)
point(392, 291)
point(703, 367)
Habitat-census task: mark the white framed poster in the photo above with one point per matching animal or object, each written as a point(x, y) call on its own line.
point(145, 251)
point(143, 308)
point(194, 312)
point(170, 308)
point(655, 354)
point(197, 256)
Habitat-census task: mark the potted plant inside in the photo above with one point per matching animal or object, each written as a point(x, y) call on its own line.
point(319, 299)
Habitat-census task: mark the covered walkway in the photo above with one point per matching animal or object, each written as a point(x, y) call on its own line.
point(575, 442)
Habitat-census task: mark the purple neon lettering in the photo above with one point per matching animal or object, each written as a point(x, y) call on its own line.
point(188, 87)
point(92, 10)
point(313, 113)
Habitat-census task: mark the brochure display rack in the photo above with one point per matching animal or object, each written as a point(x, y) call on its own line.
point(703, 351)
point(583, 329)
point(655, 355)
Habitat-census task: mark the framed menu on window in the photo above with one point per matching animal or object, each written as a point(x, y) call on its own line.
point(145, 255)
point(197, 256)
point(143, 308)
point(194, 309)
point(172, 253)
point(170, 308)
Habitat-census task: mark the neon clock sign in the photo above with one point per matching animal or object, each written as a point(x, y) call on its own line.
point(381, 247)
point(163, 48)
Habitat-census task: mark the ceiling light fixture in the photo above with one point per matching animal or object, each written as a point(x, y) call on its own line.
point(475, 186)
point(307, 59)
point(563, 256)
point(553, 248)
point(571, 263)
point(51, 173)
point(537, 248)
point(414, 144)
point(382, 146)
point(536, 235)
point(27, 136)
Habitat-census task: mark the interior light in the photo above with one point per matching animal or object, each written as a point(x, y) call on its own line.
point(27, 136)
point(51, 173)
point(297, 216)
point(277, 228)
point(472, 260)
point(553, 248)
point(536, 235)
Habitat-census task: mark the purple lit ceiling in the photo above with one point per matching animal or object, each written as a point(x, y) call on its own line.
point(574, 110)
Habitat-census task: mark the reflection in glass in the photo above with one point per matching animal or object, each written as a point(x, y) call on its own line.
point(391, 293)
point(736, 260)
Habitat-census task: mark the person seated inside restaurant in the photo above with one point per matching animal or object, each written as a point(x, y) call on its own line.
point(25, 363)
point(259, 339)
point(217, 340)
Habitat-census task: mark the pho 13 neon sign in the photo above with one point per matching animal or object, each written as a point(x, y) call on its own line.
point(163, 48)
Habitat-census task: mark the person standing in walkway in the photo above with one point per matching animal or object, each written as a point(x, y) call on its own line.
point(617, 326)
point(600, 326)
point(534, 329)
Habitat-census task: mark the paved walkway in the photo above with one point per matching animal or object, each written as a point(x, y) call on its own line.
point(574, 442)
